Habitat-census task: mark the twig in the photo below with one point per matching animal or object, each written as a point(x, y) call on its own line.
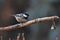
point(38, 20)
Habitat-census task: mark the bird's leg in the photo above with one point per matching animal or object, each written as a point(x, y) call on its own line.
point(21, 24)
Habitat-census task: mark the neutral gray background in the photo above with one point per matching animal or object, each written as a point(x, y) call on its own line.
point(40, 31)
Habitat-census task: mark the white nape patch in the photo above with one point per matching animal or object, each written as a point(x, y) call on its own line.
point(18, 14)
point(24, 15)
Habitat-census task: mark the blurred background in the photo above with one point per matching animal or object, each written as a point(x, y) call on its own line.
point(35, 8)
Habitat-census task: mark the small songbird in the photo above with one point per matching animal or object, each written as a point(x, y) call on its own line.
point(22, 17)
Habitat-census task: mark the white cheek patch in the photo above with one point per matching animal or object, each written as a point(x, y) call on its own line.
point(24, 15)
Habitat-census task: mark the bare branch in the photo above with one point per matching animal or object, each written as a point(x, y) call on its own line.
point(38, 20)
